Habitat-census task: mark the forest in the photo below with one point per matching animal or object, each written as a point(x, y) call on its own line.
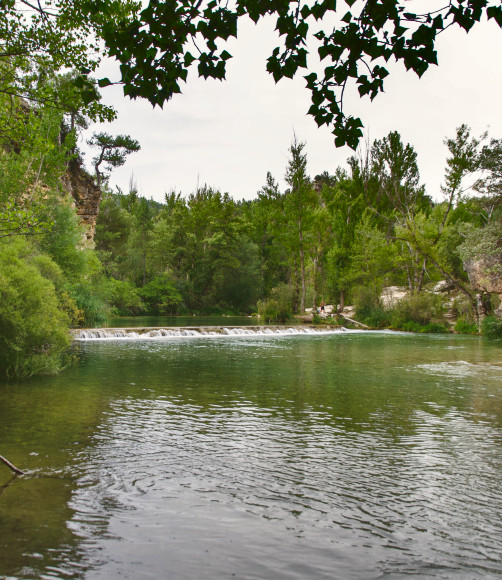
point(339, 237)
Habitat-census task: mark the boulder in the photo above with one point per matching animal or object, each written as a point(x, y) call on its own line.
point(392, 294)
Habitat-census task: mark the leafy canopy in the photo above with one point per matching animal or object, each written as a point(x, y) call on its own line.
point(157, 46)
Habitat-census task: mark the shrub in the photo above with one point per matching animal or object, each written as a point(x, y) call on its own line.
point(420, 308)
point(365, 302)
point(491, 327)
point(90, 302)
point(123, 297)
point(279, 307)
point(268, 310)
point(463, 326)
point(435, 327)
point(432, 327)
point(412, 326)
point(369, 309)
point(161, 296)
point(378, 318)
point(34, 333)
point(462, 309)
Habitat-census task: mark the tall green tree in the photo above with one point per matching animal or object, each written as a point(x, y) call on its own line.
point(300, 201)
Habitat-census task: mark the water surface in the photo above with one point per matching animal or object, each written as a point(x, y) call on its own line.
point(154, 321)
point(363, 455)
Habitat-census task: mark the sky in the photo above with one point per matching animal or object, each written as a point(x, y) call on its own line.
point(229, 134)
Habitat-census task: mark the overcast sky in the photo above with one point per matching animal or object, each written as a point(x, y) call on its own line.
point(229, 134)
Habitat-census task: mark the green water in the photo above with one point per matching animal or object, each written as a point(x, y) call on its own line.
point(364, 455)
point(145, 321)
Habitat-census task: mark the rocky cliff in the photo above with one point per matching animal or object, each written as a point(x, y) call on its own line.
point(87, 197)
point(485, 277)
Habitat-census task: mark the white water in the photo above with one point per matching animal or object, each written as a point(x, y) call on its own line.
point(201, 331)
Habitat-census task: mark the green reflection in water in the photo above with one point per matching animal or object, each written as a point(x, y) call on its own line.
point(352, 384)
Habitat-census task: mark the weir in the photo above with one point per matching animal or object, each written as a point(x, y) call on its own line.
point(156, 333)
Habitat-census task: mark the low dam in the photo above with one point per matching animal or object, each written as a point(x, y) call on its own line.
point(146, 333)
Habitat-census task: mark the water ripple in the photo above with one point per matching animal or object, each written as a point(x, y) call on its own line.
point(401, 503)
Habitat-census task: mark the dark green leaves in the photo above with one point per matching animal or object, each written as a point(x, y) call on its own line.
point(157, 47)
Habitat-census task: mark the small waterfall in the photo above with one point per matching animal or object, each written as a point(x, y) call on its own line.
point(201, 331)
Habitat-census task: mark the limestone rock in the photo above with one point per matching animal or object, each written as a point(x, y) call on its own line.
point(87, 197)
point(485, 276)
point(392, 294)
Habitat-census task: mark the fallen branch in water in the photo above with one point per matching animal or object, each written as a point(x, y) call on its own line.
point(353, 321)
point(10, 466)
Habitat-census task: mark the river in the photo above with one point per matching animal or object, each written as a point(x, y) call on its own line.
point(344, 455)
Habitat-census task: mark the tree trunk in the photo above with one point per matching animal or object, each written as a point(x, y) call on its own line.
point(422, 274)
point(302, 271)
point(315, 284)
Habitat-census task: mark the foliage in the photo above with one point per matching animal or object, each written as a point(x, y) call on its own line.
point(483, 244)
point(112, 151)
point(423, 309)
point(155, 50)
point(299, 203)
point(431, 327)
point(161, 296)
point(373, 256)
point(40, 42)
point(463, 326)
point(33, 329)
point(278, 308)
point(91, 302)
point(123, 297)
point(491, 327)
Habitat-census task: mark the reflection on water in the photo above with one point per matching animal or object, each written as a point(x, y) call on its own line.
point(144, 321)
point(349, 456)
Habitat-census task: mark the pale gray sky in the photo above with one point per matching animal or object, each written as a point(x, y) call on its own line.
point(229, 134)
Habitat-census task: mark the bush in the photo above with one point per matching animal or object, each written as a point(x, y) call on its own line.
point(462, 309)
point(491, 327)
point(161, 296)
point(412, 326)
point(463, 326)
point(432, 327)
point(123, 297)
point(90, 302)
point(369, 309)
point(421, 308)
point(34, 333)
point(365, 302)
point(435, 327)
point(279, 307)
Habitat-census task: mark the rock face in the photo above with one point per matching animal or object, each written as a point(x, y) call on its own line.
point(391, 295)
point(485, 276)
point(87, 197)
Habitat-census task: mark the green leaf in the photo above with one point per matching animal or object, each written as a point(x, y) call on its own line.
point(88, 96)
point(189, 58)
point(106, 82)
point(495, 12)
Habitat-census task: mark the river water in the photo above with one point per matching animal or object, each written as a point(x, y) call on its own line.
point(344, 455)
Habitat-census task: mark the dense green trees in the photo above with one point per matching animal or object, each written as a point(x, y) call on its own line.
point(315, 241)
point(323, 238)
point(336, 238)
